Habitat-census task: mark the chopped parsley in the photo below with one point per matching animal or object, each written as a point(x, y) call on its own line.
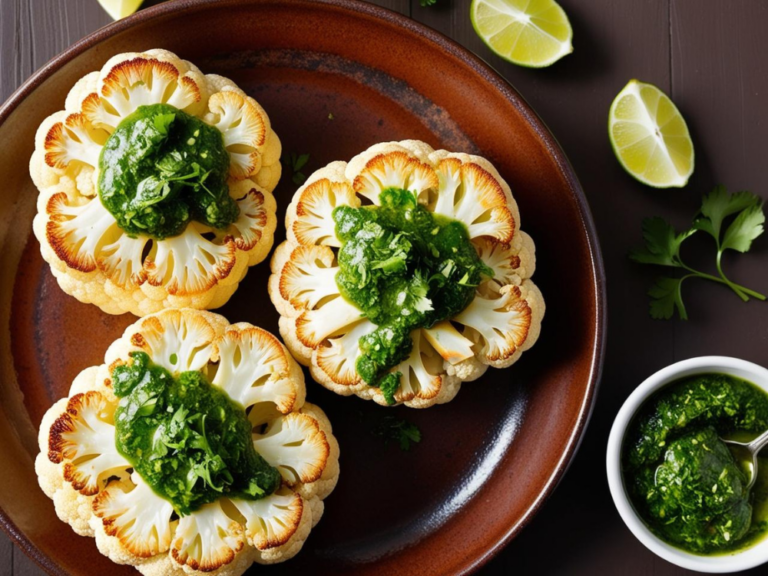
point(185, 437)
point(160, 169)
point(698, 497)
point(393, 429)
point(405, 268)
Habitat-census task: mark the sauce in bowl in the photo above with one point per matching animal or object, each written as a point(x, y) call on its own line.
point(683, 481)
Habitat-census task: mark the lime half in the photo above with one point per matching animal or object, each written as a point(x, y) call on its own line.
point(533, 33)
point(120, 8)
point(650, 137)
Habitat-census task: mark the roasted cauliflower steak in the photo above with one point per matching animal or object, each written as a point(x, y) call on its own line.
point(95, 490)
point(95, 260)
point(322, 329)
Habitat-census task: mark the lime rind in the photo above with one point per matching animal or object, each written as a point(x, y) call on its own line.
point(650, 137)
point(530, 33)
point(118, 9)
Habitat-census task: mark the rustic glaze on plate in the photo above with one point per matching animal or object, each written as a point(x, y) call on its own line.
point(489, 458)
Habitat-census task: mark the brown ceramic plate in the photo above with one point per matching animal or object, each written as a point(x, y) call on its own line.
point(489, 458)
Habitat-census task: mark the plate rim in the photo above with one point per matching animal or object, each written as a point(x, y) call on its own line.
point(489, 74)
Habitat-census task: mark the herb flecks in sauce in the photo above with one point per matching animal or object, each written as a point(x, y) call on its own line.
point(161, 168)
point(404, 268)
point(186, 438)
point(682, 478)
point(697, 494)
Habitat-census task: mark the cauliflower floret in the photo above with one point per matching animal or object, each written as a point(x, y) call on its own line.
point(293, 545)
point(295, 445)
point(322, 329)
point(92, 258)
point(81, 439)
point(73, 506)
point(503, 327)
point(319, 489)
point(98, 493)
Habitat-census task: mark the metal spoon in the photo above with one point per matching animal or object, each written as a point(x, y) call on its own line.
point(753, 448)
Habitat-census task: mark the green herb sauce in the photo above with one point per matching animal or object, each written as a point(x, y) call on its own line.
point(160, 169)
point(404, 268)
point(186, 438)
point(683, 480)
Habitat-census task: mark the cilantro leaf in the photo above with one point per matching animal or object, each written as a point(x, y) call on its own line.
point(666, 297)
point(300, 161)
point(418, 290)
point(150, 191)
point(295, 162)
point(163, 122)
point(170, 164)
point(718, 205)
point(425, 3)
point(747, 226)
point(393, 264)
point(393, 429)
point(408, 433)
point(662, 244)
point(254, 489)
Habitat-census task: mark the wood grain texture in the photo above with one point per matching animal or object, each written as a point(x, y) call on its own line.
point(23, 565)
point(6, 556)
point(710, 57)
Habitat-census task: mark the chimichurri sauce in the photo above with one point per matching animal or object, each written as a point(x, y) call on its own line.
point(683, 480)
point(160, 169)
point(404, 268)
point(186, 438)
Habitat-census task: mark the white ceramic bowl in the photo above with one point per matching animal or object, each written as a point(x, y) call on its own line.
point(741, 560)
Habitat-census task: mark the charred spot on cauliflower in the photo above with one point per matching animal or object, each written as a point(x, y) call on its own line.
point(155, 186)
point(404, 274)
point(112, 477)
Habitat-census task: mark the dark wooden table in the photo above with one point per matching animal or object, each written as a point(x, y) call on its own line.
point(710, 57)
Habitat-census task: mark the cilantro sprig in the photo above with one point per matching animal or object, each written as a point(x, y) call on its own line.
point(744, 213)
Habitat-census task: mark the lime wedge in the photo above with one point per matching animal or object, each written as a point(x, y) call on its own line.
point(532, 33)
point(650, 137)
point(120, 8)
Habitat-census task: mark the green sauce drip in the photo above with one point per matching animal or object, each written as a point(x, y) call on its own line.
point(186, 438)
point(404, 268)
point(683, 480)
point(160, 169)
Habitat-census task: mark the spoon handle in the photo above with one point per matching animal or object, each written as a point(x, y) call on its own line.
point(758, 443)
